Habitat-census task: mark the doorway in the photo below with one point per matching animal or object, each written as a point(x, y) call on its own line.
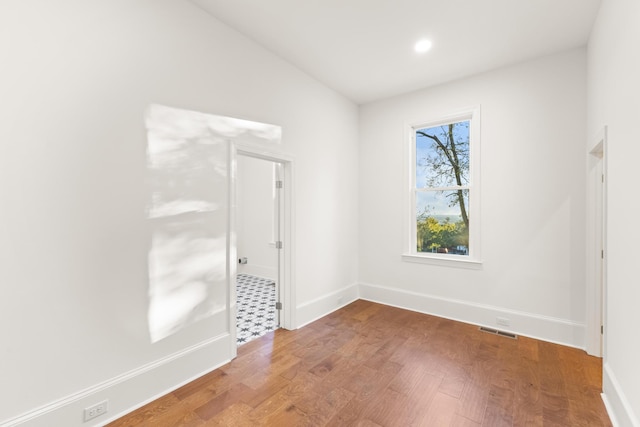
point(258, 239)
point(284, 166)
point(597, 246)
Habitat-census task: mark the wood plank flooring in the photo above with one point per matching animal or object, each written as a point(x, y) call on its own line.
point(373, 365)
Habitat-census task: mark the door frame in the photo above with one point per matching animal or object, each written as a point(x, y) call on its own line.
point(286, 259)
point(596, 276)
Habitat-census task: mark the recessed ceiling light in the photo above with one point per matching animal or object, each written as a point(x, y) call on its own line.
point(422, 46)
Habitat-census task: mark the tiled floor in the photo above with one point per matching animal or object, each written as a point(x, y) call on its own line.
point(256, 303)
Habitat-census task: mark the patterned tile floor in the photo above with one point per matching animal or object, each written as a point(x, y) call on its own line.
point(256, 303)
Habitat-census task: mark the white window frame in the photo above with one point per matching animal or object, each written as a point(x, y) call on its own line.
point(410, 254)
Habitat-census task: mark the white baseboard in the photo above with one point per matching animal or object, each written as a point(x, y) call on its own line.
point(619, 409)
point(320, 307)
point(140, 386)
point(263, 271)
point(132, 389)
point(559, 331)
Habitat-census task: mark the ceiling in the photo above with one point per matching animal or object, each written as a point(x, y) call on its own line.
point(364, 48)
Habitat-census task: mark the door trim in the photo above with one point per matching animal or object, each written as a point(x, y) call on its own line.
point(287, 217)
point(596, 274)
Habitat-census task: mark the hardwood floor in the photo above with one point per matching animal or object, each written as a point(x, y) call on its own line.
point(373, 365)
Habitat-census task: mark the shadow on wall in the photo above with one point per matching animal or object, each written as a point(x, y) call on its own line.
point(188, 213)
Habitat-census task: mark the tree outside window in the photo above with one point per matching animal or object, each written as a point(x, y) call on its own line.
point(442, 186)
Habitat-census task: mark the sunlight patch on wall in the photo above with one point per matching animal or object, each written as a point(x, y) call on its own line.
point(187, 164)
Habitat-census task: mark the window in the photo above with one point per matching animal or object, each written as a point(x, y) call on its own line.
point(444, 191)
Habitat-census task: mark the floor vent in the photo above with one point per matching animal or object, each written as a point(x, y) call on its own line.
point(497, 332)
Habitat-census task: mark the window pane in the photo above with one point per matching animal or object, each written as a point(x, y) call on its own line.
point(442, 155)
point(442, 222)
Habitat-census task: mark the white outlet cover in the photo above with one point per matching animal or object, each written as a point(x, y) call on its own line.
point(96, 410)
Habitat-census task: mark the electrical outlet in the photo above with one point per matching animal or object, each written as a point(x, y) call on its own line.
point(503, 321)
point(96, 410)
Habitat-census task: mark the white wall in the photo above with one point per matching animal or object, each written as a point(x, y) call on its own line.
point(255, 219)
point(614, 101)
point(75, 80)
point(532, 167)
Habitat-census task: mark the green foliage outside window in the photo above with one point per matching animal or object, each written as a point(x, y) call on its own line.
point(446, 236)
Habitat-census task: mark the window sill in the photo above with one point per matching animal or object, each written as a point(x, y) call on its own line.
point(443, 260)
